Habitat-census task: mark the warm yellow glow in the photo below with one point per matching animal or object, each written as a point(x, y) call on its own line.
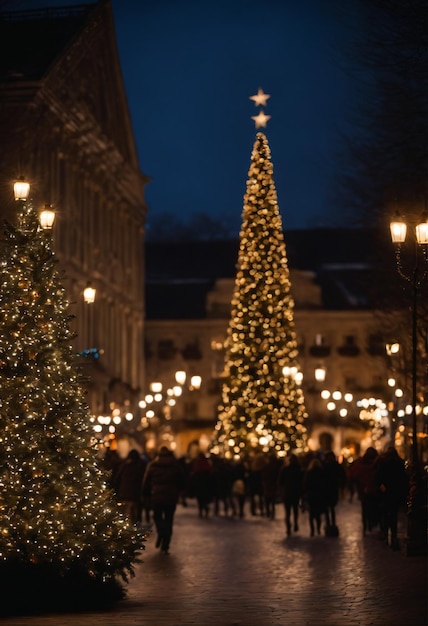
point(260, 98)
point(261, 119)
point(47, 217)
point(398, 230)
point(180, 377)
point(392, 348)
point(89, 294)
point(422, 232)
point(21, 189)
point(195, 382)
point(320, 373)
point(156, 387)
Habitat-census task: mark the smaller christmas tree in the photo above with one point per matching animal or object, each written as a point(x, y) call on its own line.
point(63, 538)
point(263, 404)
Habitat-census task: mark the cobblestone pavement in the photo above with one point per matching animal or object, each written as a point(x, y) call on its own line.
point(231, 572)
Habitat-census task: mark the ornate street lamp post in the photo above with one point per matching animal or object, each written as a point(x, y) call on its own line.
point(416, 528)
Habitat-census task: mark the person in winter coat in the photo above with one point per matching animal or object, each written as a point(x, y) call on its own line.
point(164, 481)
point(269, 475)
point(290, 481)
point(335, 480)
point(202, 480)
point(392, 483)
point(127, 485)
point(314, 491)
point(362, 472)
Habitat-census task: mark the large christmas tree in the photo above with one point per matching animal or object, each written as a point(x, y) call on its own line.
point(262, 399)
point(62, 537)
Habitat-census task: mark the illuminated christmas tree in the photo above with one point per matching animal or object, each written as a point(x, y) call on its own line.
point(262, 400)
point(62, 537)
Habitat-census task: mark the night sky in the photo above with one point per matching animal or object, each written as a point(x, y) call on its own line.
point(189, 68)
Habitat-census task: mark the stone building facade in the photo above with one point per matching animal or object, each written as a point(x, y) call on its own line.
point(65, 126)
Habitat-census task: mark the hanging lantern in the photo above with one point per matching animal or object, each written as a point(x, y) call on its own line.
point(21, 189)
point(47, 217)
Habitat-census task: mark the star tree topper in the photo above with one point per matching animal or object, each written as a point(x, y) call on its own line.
point(260, 99)
point(261, 119)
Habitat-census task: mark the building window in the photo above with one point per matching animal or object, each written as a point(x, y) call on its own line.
point(320, 340)
point(376, 345)
point(191, 410)
point(166, 349)
point(349, 346)
point(320, 347)
point(191, 352)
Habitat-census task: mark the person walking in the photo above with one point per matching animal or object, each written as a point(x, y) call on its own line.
point(241, 473)
point(164, 481)
point(362, 472)
point(255, 483)
point(269, 475)
point(314, 493)
point(290, 481)
point(335, 480)
point(127, 485)
point(223, 480)
point(392, 483)
point(202, 480)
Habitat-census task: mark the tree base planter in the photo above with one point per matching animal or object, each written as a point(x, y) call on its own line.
point(31, 589)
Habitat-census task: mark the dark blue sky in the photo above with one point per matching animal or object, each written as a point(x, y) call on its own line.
point(189, 68)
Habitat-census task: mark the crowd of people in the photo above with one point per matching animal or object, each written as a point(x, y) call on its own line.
point(149, 489)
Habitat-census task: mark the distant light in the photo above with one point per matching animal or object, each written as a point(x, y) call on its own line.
point(180, 377)
point(320, 372)
point(195, 382)
point(89, 294)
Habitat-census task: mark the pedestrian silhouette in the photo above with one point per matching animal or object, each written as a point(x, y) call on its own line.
point(314, 492)
point(241, 473)
point(255, 484)
point(290, 482)
point(335, 480)
point(163, 483)
point(202, 481)
point(392, 483)
point(223, 480)
point(363, 472)
point(127, 484)
point(269, 475)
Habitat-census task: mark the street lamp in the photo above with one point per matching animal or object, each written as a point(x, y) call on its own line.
point(21, 189)
point(398, 230)
point(47, 217)
point(320, 373)
point(89, 294)
point(416, 531)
